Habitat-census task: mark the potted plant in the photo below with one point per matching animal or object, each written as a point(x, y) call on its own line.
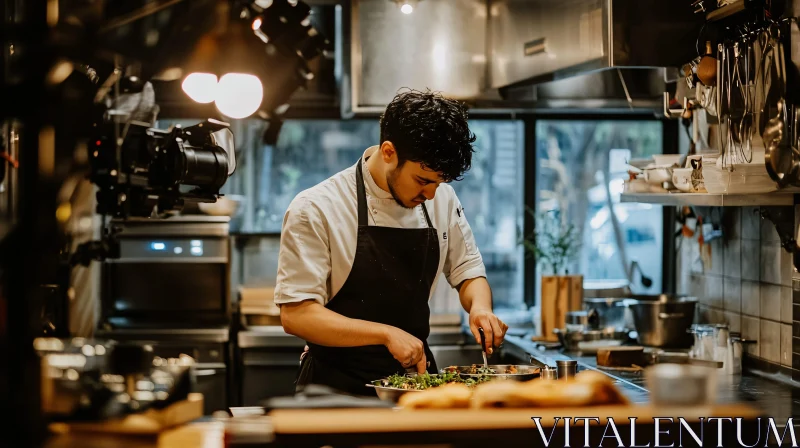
point(555, 243)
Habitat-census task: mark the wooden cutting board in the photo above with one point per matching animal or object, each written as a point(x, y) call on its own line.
point(150, 422)
point(621, 357)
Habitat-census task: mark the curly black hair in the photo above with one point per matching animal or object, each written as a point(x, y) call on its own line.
point(427, 128)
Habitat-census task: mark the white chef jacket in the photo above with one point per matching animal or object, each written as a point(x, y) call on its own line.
point(318, 237)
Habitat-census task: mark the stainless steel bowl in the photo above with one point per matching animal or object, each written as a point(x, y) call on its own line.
point(387, 393)
point(523, 372)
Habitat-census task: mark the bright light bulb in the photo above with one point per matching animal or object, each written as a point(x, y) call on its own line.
point(406, 8)
point(201, 87)
point(257, 23)
point(239, 95)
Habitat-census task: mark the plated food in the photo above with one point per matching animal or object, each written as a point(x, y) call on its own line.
point(480, 369)
point(505, 371)
point(589, 388)
point(426, 381)
point(396, 386)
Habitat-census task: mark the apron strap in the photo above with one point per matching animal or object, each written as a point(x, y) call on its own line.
point(362, 197)
point(427, 217)
point(363, 214)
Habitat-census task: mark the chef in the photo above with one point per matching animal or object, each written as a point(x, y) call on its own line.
point(361, 252)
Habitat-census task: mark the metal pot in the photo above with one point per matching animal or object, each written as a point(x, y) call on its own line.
point(612, 313)
point(663, 321)
point(588, 341)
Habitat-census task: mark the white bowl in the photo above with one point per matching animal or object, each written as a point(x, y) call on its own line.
point(667, 159)
point(657, 176)
point(681, 385)
point(682, 179)
point(224, 206)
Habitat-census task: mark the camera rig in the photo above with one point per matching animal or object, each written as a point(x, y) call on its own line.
point(142, 171)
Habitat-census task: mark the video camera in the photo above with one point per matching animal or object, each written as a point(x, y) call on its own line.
point(142, 171)
point(146, 172)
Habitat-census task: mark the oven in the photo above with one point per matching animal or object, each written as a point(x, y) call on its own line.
point(170, 273)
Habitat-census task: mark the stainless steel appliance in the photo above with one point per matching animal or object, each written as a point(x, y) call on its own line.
point(171, 273)
point(170, 288)
point(542, 40)
point(663, 321)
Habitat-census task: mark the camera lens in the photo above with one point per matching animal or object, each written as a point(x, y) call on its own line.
point(205, 167)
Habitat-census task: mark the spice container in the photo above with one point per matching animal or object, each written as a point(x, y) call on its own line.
point(567, 369)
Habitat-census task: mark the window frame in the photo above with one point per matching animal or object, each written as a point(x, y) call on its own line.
point(670, 145)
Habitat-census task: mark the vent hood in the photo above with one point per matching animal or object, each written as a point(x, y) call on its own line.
point(535, 41)
point(440, 46)
point(515, 55)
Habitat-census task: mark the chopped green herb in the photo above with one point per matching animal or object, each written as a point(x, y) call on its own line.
point(426, 380)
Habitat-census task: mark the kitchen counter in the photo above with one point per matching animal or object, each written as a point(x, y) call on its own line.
point(773, 398)
point(275, 336)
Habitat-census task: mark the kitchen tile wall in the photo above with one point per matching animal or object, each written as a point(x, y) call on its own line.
point(746, 282)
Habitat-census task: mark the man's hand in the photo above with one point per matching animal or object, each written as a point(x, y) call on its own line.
point(406, 349)
point(493, 328)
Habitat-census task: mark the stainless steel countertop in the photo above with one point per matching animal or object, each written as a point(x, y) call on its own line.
point(274, 336)
point(775, 399)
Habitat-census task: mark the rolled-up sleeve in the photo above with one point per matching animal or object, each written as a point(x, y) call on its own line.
point(304, 261)
point(464, 260)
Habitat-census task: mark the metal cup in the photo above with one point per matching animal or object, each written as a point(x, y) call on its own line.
point(567, 369)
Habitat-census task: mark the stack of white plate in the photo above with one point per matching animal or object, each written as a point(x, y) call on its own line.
point(722, 176)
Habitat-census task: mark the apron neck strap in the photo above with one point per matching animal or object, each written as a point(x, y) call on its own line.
point(362, 196)
point(361, 193)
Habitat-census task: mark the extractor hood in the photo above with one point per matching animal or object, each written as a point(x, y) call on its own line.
point(535, 41)
point(516, 55)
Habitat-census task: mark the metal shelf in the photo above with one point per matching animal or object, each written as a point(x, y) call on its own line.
point(778, 198)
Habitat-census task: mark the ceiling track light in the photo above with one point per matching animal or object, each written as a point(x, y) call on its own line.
point(229, 72)
point(406, 6)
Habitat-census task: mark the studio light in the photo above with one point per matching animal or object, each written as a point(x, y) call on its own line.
point(201, 87)
point(256, 57)
point(239, 95)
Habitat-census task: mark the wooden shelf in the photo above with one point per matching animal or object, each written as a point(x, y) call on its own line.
point(712, 200)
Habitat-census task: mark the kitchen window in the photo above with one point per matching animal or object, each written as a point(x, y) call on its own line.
point(580, 170)
point(310, 151)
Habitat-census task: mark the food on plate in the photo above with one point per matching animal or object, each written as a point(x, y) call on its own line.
point(448, 396)
point(426, 381)
point(480, 369)
point(500, 394)
point(588, 388)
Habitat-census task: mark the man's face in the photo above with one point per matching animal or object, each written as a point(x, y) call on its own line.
point(410, 184)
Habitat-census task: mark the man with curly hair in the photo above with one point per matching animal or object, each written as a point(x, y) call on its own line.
point(361, 252)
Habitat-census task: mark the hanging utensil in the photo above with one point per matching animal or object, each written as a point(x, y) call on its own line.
point(707, 68)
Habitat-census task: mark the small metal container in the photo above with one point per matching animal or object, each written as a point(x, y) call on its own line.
point(549, 373)
point(567, 369)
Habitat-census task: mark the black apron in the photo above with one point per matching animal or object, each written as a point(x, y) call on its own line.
point(390, 283)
